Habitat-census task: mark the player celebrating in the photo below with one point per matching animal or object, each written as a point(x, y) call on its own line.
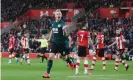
point(58, 43)
point(119, 41)
point(11, 47)
point(83, 36)
point(25, 48)
point(99, 50)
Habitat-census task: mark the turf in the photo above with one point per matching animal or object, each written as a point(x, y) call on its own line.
point(61, 72)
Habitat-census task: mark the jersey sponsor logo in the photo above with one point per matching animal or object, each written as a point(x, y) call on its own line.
point(55, 30)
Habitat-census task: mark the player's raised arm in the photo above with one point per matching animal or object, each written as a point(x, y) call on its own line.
point(64, 28)
point(50, 36)
point(112, 44)
point(70, 40)
point(38, 40)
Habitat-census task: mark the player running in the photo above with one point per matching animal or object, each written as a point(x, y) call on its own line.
point(83, 40)
point(43, 47)
point(58, 43)
point(25, 48)
point(11, 47)
point(119, 41)
point(99, 50)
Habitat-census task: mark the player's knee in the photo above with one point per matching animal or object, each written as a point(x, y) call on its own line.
point(117, 57)
point(51, 56)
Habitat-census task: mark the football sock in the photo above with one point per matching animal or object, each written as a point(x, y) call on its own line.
point(85, 66)
point(104, 62)
point(10, 57)
point(93, 62)
point(70, 60)
point(28, 60)
point(21, 59)
point(116, 64)
point(124, 63)
point(16, 59)
point(49, 66)
point(42, 59)
point(77, 65)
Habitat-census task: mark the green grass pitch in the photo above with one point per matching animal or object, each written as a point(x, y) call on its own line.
point(61, 72)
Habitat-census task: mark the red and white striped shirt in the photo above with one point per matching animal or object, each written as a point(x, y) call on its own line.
point(100, 37)
point(11, 42)
point(120, 41)
point(25, 42)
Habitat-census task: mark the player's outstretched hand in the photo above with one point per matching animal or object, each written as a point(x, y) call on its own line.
point(107, 47)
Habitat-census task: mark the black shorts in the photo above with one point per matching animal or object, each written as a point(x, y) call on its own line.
point(57, 48)
point(67, 51)
point(11, 50)
point(18, 55)
point(82, 51)
point(43, 50)
point(26, 50)
point(18, 52)
point(66, 48)
point(100, 52)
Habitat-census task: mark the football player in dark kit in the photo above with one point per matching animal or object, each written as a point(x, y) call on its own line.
point(58, 42)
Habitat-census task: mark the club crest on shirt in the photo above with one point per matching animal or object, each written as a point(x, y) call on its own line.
point(59, 25)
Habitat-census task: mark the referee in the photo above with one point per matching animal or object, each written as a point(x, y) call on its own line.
point(43, 47)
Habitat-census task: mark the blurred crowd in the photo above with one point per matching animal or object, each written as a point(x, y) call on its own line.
point(35, 27)
point(11, 9)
